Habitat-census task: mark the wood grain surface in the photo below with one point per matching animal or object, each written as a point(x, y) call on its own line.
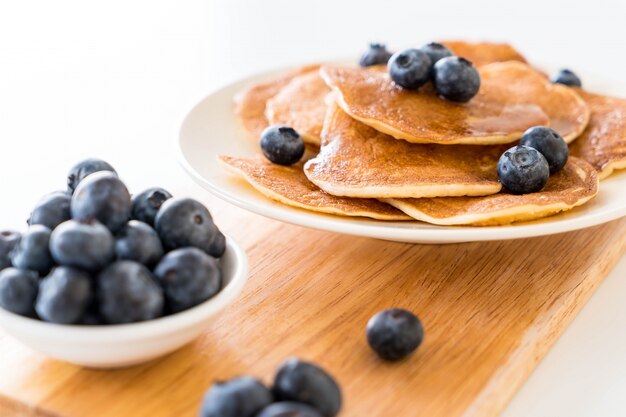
point(490, 311)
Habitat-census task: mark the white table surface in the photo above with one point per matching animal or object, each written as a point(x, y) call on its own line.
point(114, 79)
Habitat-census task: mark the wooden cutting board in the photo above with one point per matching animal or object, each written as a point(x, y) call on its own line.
point(491, 311)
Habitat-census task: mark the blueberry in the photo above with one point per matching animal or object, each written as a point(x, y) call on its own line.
point(282, 145)
point(549, 143)
point(82, 244)
point(289, 409)
point(137, 241)
point(240, 397)
point(410, 68)
point(146, 204)
point(8, 240)
point(567, 77)
point(435, 51)
point(52, 210)
point(456, 79)
point(377, 54)
point(92, 317)
point(18, 290)
point(307, 383)
point(32, 251)
point(523, 170)
point(104, 197)
point(188, 277)
point(394, 333)
point(64, 295)
point(127, 292)
point(84, 168)
point(183, 222)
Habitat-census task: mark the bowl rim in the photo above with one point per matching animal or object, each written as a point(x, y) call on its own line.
point(138, 330)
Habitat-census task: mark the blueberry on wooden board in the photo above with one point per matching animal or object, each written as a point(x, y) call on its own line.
point(304, 382)
point(394, 333)
point(240, 397)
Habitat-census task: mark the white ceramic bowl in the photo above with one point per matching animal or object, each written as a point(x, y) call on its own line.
point(111, 346)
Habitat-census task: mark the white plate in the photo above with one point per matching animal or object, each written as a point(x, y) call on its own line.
point(211, 129)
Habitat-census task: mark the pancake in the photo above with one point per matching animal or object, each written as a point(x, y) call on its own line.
point(358, 161)
point(603, 143)
point(290, 186)
point(482, 53)
point(250, 102)
point(574, 185)
point(512, 98)
point(300, 104)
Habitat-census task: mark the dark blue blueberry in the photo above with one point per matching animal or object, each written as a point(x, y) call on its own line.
point(146, 204)
point(32, 251)
point(289, 409)
point(240, 397)
point(307, 383)
point(523, 170)
point(410, 68)
point(282, 145)
point(91, 317)
point(18, 291)
point(549, 143)
point(137, 241)
point(183, 222)
point(567, 77)
point(394, 333)
point(188, 277)
point(377, 54)
point(127, 292)
point(436, 51)
point(86, 245)
point(456, 79)
point(104, 197)
point(52, 210)
point(84, 168)
point(8, 240)
point(64, 295)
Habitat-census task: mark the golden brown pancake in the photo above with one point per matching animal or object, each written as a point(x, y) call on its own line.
point(603, 143)
point(574, 185)
point(358, 161)
point(482, 53)
point(512, 98)
point(250, 102)
point(300, 104)
point(290, 186)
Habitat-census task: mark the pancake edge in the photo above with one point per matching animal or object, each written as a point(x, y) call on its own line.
point(497, 218)
point(406, 191)
point(610, 168)
point(326, 210)
point(504, 216)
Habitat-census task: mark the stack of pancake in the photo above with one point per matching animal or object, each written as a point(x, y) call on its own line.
point(375, 150)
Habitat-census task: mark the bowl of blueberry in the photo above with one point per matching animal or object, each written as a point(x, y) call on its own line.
point(101, 278)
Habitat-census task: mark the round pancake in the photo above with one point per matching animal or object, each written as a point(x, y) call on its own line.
point(574, 185)
point(250, 103)
point(300, 104)
point(290, 186)
point(512, 98)
point(482, 53)
point(603, 143)
point(358, 161)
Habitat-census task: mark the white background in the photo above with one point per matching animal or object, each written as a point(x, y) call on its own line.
point(114, 79)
